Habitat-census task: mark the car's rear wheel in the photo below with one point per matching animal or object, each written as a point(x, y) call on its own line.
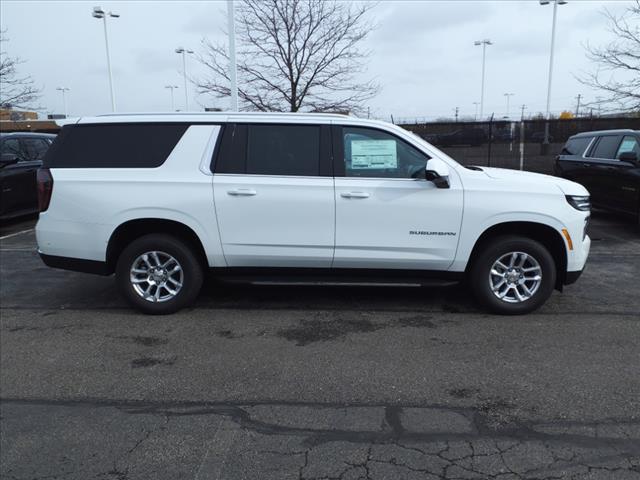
point(159, 274)
point(513, 275)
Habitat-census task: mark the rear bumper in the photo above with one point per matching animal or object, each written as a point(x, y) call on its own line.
point(76, 264)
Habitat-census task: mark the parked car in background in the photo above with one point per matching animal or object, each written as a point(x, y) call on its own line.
point(607, 163)
point(160, 199)
point(538, 137)
point(21, 156)
point(466, 136)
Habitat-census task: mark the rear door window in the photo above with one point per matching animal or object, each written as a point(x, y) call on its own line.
point(576, 146)
point(606, 147)
point(35, 148)
point(12, 146)
point(274, 149)
point(135, 145)
point(283, 150)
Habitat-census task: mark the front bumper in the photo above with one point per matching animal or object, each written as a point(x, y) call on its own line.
point(577, 260)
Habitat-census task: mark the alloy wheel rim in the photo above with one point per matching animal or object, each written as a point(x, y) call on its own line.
point(156, 276)
point(515, 277)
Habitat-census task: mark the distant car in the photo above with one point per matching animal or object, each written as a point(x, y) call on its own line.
point(504, 136)
point(607, 163)
point(20, 158)
point(465, 136)
point(538, 137)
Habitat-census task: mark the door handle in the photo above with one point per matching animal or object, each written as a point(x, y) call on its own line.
point(242, 192)
point(354, 195)
point(586, 164)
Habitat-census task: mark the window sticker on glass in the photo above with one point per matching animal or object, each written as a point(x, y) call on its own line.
point(374, 154)
point(628, 145)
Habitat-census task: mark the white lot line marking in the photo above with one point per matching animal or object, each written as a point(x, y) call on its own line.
point(17, 233)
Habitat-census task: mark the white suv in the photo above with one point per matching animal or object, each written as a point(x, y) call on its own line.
point(160, 199)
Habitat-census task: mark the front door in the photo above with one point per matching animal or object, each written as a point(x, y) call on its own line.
point(624, 184)
point(273, 194)
point(387, 216)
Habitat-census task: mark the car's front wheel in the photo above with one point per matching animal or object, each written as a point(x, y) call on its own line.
point(159, 274)
point(513, 275)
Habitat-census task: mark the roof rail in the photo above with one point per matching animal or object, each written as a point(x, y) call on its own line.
point(207, 114)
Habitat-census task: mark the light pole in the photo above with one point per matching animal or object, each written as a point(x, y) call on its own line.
point(484, 44)
point(508, 96)
point(184, 52)
point(171, 87)
point(545, 143)
point(232, 56)
point(64, 99)
point(475, 117)
point(99, 13)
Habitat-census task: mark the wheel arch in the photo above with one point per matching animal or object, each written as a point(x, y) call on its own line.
point(545, 234)
point(130, 230)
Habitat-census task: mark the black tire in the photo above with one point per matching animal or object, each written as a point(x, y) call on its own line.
point(494, 249)
point(192, 273)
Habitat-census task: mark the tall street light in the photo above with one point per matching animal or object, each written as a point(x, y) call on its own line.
point(508, 96)
point(64, 98)
point(172, 87)
point(232, 56)
point(184, 52)
point(545, 142)
point(101, 14)
point(484, 44)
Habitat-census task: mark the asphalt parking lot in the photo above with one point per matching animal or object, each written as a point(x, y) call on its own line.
point(316, 382)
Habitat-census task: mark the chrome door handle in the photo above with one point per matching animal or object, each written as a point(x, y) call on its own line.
point(242, 192)
point(354, 195)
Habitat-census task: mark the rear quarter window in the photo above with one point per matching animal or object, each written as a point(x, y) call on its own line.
point(114, 145)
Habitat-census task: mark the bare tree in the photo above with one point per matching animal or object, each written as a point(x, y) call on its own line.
point(618, 63)
point(294, 55)
point(15, 90)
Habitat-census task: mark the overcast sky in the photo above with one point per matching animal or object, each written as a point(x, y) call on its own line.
point(422, 53)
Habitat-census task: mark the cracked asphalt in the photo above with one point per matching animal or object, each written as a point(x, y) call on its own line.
point(317, 382)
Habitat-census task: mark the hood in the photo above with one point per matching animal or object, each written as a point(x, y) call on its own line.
point(566, 186)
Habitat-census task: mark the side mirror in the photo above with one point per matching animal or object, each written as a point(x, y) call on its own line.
point(8, 159)
point(631, 157)
point(437, 171)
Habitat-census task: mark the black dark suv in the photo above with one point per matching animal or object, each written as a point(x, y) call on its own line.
point(21, 156)
point(607, 163)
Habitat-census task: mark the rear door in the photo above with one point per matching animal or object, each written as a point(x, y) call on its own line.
point(273, 193)
point(34, 150)
point(572, 164)
point(387, 214)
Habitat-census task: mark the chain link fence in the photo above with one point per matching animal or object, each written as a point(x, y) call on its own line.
point(515, 145)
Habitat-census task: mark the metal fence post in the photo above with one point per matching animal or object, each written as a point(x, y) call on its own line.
point(522, 145)
point(490, 140)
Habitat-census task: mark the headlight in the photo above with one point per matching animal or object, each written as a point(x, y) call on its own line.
point(580, 202)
